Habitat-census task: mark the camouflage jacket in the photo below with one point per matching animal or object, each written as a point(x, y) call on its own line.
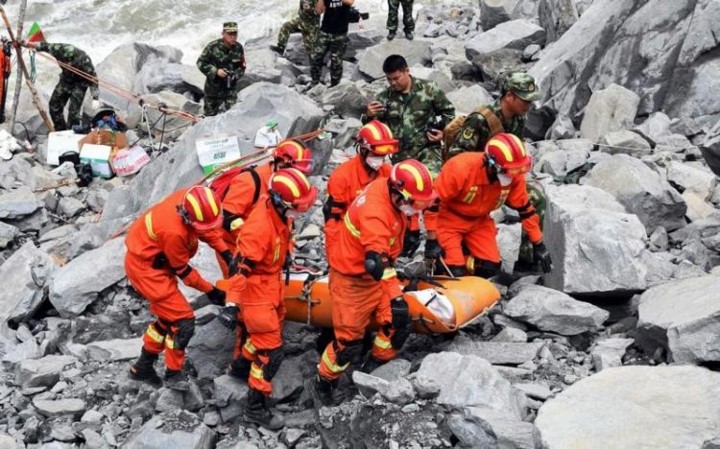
point(69, 54)
point(476, 132)
point(408, 116)
point(217, 56)
point(307, 12)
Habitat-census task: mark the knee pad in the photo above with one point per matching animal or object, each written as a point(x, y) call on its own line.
point(352, 350)
point(275, 358)
point(186, 329)
point(486, 269)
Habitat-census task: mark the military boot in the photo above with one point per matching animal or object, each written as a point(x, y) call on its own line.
point(177, 380)
point(409, 35)
point(240, 369)
point(391, 35)
point(325, 391)
point(143, 369)
point(257, 412)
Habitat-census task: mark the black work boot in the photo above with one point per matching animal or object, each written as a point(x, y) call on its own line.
point(325, 391)
point(257, 412)
point(371, 364)
point(240, 368)
point(143, 369)
point(177, 380)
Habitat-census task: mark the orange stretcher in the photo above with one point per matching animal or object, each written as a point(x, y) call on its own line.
point(433, 309)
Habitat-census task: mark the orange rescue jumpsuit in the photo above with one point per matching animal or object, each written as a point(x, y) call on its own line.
point(467, 197)
point(263, 245)
point(372, 223)
point(343, 186)
point(159, 249)
point(242, 194)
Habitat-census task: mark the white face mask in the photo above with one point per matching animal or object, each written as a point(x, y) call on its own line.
point(505, 180)
point(408, 210)
point(292, 214)
point(374, 162)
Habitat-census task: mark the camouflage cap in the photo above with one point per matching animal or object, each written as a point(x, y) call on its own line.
point(230, 27)
point(522, 85)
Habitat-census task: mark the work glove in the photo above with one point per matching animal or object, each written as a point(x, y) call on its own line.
point(216, 296)
point(95, 104)
point(433, 251)
point(411, 243)
point(228, 316)
point(542, 255)
point(230, 261)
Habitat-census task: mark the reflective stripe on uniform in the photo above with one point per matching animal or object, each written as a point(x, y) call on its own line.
point(470, 264)
point(149, 226)
point(331, 366)
point(256, 372)
point(381, 342)
point(389, 273)
point(470, 196)
point(351, 227)
point(169, 342)
point(154, 334)
point(249, 347)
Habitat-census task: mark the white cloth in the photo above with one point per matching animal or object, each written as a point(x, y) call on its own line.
point(266, 137)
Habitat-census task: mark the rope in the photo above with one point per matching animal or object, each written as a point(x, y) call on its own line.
point(33, 68)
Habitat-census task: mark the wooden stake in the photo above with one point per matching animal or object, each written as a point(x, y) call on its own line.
point(23, 67)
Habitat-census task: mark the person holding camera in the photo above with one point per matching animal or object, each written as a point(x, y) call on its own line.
point(223, 64)
point(332, 38)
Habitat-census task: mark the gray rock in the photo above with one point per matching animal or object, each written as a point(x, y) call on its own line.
point(684, 410)
point(471, 433)
point(229, 389)
point(393, 370)
point(557, 16)
point(558, 161)
point(426, 387)
point(210, 349)
point(510, 433)
point(509, 238)
point(44, 372)
point(29, 270)
point(530, 52)
point(511, 335)
point(660, 267)
point(181, 431)
point(641, 190)
point(470, 381)
point(562, 128)
point(697, 207)
point(552, 310)
point(500, 353)
point(77, 284)
point(688, 177)
point(512, 35)
point(610, 109)
point(61, 407)
point(596, 247)
point(289, 379)
point(347, 99)
point(415, 52)
point(625, 142)
point(444, 82)
point(7, 234)
point(608, 353)
point(400, 392)
point(534, 390)
point(116, 350)
point(495, 12)
point(69, 207)
point(18, 203)
point(673, 143)
point(368, 384)
point(7, 442)
point(690, 328)
point(712, 444)
point(655, 126)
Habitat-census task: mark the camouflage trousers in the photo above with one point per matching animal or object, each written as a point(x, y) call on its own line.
point(392, 20)
point(71, 94)
point(297, 25)
point(335, 44)
point(536, 194)
point(219, 102)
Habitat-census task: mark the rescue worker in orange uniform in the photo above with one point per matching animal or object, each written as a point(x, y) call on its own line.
point(363, 283)
point(374, 143)
point(255, 293)
point(160, 245)
point(470, 186)
point(250, 184)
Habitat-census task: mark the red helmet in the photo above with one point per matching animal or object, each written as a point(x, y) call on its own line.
point(413, 181)
point(507, 152)
point(377, 138)
point(293, 189)
point(201, 209)
point(295, 154)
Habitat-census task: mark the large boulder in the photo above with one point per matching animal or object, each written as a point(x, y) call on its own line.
point(211, 348)
point(652, 407)
point(610, 109)
point(18, 203)
point(692, 178)
point(77, 285)
point(554, 311)
point(513, 35)
point(179, 167)
point(683, 317)
point(641, 190)
point(27, 273)
point(181, 430)
point(661, 57)
point(495, 12)
point(469, 98)
point(557, 16)
point(596, 246)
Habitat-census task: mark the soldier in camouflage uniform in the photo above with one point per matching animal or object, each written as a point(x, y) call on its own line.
point(72, 87)
point(416, 111)
point(331, 38)
point(306, 22)
point(408, 21)
point(223, 64)
point(518, 91)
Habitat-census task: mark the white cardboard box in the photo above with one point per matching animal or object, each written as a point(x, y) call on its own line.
point(98, 156)
point(60, 142)
point(128, 161)
point(216, 151)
